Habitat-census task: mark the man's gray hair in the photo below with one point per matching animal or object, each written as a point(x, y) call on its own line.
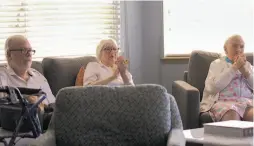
point(9, 43)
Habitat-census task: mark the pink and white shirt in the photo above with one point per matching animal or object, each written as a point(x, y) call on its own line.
point(96, 71)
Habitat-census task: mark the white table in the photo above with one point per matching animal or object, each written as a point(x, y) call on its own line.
point(197, 136)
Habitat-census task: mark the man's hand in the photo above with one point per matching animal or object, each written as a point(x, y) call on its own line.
point(33, 99)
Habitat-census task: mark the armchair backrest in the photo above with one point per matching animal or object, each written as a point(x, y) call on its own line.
point(35, 65)
point(101, 115)
point(198, 68)
point(62, 72)
point(249, 57)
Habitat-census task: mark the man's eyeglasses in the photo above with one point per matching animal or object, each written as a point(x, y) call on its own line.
point(111, 49)
point(25, 51)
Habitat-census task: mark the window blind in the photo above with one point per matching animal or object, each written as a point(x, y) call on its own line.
point(205, 25)
point(60, 27)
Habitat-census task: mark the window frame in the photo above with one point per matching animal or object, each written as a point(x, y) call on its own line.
point(168, 56)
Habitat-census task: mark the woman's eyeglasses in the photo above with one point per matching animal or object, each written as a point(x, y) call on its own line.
point(25, 51)
point(111, 49)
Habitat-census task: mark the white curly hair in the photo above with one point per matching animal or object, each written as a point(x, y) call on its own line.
point(103, 44)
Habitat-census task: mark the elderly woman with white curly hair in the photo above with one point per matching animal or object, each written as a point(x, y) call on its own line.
point(110, 68)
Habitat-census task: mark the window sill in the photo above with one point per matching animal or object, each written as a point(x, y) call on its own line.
point(175, 59)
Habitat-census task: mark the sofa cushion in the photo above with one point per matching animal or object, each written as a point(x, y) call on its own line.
point(62, 72)
point(199, 64)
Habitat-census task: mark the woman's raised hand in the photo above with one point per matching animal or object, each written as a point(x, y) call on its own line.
point(121, 64)
point(239, 61)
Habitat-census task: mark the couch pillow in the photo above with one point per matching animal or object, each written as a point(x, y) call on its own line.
point(80, 76)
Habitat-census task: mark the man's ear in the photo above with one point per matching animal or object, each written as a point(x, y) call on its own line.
point(225, 49)
point(8, 54)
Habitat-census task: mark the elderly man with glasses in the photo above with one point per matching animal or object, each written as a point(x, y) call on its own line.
point(18, 73)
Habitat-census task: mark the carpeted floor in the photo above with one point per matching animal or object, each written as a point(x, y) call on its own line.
point(21, 142)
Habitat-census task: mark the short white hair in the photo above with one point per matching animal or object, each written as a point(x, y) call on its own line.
point(10, 41)
point(103, 44)
point(232, 37)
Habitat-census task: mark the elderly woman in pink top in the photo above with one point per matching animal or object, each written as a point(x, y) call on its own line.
point(228, 93)
point(110, 69)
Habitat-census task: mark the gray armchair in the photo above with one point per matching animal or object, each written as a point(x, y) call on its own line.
point(189, 91)
point(101, 115)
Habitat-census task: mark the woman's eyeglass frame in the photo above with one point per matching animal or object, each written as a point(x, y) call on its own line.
point(24, 51)
point(111, 49)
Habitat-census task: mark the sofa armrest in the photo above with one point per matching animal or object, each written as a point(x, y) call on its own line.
point(46, 139)
point(176, 138)
point(188, 101)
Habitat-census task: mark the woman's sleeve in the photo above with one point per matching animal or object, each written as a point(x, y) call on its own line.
point(218, 77)
point(250, 78)
point(90, 74)
point(130, 78)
